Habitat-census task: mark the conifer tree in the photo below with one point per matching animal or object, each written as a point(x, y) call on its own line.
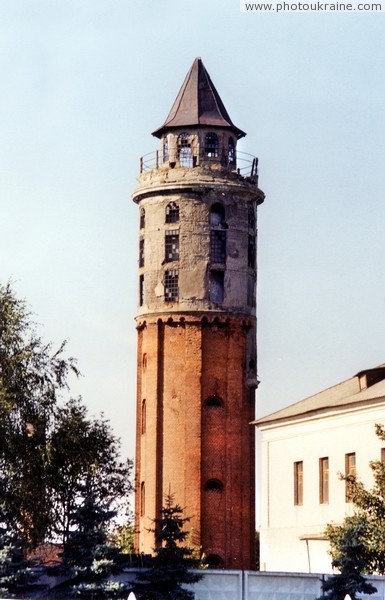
point(172, 562)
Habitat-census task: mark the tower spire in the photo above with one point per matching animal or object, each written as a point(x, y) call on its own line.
point(198, 104)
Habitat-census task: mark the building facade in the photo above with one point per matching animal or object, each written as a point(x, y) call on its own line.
point(304, 449)
point(196, 323)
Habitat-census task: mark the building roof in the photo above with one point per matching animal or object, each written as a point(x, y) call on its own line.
point(198, 103)
point(366, 386)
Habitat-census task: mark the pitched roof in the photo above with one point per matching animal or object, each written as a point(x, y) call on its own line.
point(198, 103)
point(368, 385)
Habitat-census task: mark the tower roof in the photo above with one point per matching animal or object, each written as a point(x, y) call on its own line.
point(198, 103)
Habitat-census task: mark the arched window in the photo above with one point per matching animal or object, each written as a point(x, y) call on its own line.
point(184, 150)
point(144, 416)
point(231, 152)
point(211, 144)
point(165, 149)
point(142, 218)
point(214, 485)
point(217, 215)
point(213, 401)
point(172, 212)
point(144, 361)
point(214, 561)
point(142, 499)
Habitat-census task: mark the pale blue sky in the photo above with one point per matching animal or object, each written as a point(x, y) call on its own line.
point(83, 84)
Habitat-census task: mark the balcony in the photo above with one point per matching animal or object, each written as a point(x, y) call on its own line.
point(245, 166)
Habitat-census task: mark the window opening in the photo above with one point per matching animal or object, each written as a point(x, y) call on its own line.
point(141, 253)
point(184, 150)
point(217, 292)
point(141, 290)
point(218, 246)
point(324, 480)
point(350, 471)
point(251, 291)
point(213, 401)
point(382, 454)
point(172, 245)
point(231, 151)
point(217, 215)
point(251, 216)
point(172, 213)
point(213, 485)
point(298, 483)
point(142, 218)
point(165, 150)
point(211, 144)
point(142, 499)
point(251, 252)
point(171, 285)
point(144, 416)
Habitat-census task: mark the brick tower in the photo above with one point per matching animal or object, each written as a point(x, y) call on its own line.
point(196, 323)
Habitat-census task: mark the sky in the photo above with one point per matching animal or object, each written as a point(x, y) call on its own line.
point(83, 85)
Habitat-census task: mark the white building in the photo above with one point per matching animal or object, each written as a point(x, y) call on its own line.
point(304, 448)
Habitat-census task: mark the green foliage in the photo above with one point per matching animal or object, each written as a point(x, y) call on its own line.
point(88, 559)
point(49, 450)
point(172, 563)
point(368, 519)
point(122, 536)
point(350, 558)
point(16, 575)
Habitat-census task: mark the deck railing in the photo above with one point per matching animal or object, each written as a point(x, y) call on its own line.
point(245, 165)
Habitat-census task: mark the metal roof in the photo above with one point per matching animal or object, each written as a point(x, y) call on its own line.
point(198, 103)
point(349, 392)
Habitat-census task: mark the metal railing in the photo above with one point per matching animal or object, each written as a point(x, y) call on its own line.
point(245, 165)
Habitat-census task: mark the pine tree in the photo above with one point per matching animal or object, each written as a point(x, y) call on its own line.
point(89, 560)
point(172, 563)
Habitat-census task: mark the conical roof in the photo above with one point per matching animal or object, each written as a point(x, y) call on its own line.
point(198, 103)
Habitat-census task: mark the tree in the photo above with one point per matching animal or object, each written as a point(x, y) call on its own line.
point(83, 458)
point(349, 557)
point(172, 563)
point(88, 559)
point(32, 376)
point(368, 520)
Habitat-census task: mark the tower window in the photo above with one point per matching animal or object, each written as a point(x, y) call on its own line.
point(298, 483)
point(143, 428)
point(172, 213)
point(250, 291)
point(171, 285)
point(214, 485)
point(165, 150)
point(141, 252)
point(251, 252)
point(217, 292)
point(217, 215)
point(231, 151)
point(141, 290)
point(218, 246)
point(211, 144)
point(142, 218)
point(172, 245)
point(142, 499)
point(213, 401)
point(251, 216)
point(324, 480)
point(184, 150)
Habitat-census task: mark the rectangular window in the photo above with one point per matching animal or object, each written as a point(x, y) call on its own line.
point(171, 285)
point(141, 253)
point(218, 245)
point(250, 291)
point(172, 245)
point(251, 252)
point(141, 290)
point(298, 483)
point(382, 454)
point(217, 292)
point(350, 470)
point(324, 480)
